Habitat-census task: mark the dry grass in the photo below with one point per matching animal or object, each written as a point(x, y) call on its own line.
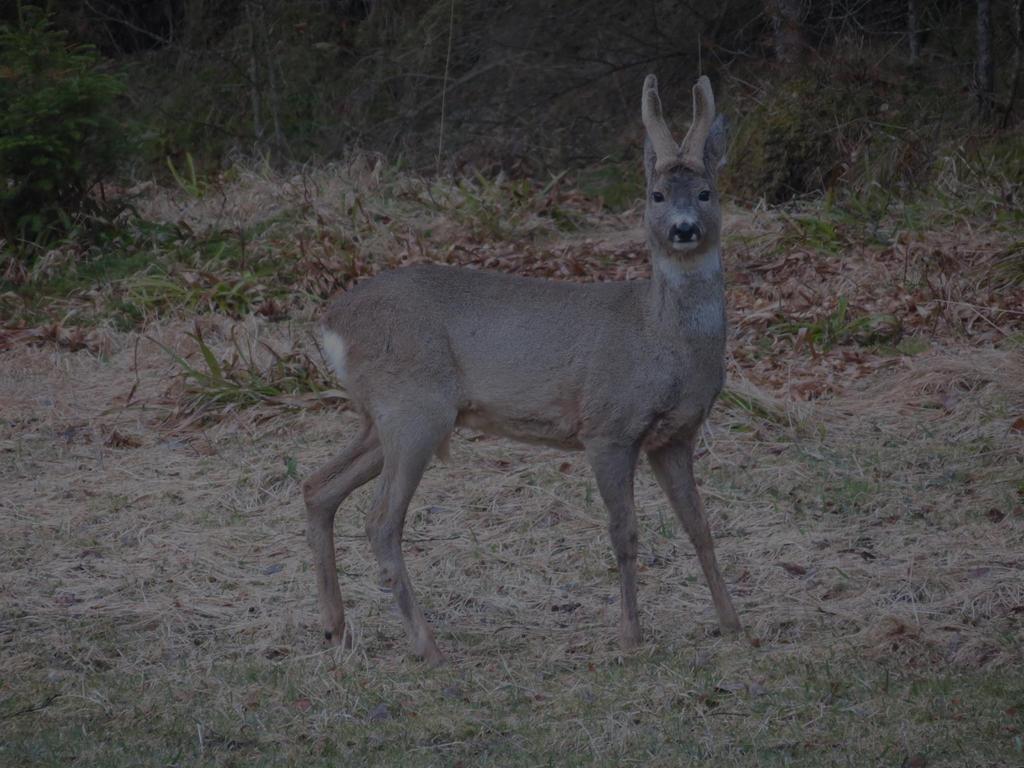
point(158, 584)
point(158, 606)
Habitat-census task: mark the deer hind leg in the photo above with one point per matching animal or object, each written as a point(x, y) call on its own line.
point(324, 491)
point(673, 467)
point(614, 468)
point(410, 439)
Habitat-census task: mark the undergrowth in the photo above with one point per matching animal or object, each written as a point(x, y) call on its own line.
point(250, 242)
point(840, 326)
point(253, 372)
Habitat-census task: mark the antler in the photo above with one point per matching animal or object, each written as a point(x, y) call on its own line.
point(692, 148)
point(666, 151)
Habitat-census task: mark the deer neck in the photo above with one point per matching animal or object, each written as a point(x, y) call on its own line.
point(688, 297)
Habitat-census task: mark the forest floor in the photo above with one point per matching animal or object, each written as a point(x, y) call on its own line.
point(162, 396)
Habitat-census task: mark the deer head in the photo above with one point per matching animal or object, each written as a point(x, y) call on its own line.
point(682, 213)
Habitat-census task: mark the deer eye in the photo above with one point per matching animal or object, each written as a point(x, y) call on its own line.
point(704, 196)
point(657, 197)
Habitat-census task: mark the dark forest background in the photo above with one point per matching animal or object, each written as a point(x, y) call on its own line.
point(827, 96)
point(537, 83)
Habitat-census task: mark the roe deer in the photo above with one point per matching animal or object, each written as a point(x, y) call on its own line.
point(612, 369)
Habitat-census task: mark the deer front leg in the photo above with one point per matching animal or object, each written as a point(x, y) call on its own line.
point(673, 467)
point(614, 467)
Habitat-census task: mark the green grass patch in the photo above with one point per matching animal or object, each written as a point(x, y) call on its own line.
point(840, 327)
point(252, 373)
point(619, 185)
point(139, 270)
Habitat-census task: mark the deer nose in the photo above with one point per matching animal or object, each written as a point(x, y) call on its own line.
point(684, 232)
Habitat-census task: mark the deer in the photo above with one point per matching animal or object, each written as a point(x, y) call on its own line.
point(612, 369)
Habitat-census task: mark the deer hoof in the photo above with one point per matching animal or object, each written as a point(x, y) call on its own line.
point(731, 628)
point(629, 637)
point(339, 639)
point(432, 656)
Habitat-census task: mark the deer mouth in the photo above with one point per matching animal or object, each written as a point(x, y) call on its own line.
point(684, 246)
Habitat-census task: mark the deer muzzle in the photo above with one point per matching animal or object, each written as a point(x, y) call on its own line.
point(684, 235)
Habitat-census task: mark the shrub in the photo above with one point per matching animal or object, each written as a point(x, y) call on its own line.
point(843, 125)
point(57, 135)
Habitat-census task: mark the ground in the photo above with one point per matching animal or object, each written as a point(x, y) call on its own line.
point(865, 486)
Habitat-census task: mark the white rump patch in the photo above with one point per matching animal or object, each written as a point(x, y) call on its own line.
point(337, 354)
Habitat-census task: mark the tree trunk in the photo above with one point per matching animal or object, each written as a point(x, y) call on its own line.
point(913, 31)
point(787, 27)
point(1017, 18)
point(985, 73)
point(254, 74)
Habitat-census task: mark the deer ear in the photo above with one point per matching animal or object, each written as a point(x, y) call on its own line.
point(715, 146)
point(649, 161)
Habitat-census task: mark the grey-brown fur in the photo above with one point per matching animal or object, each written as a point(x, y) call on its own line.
point(612, 369)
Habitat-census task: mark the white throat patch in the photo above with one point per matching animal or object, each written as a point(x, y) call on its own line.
point(675, 270)
point(706, 315)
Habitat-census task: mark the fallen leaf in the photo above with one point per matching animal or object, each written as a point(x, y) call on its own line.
point(453, 692)
point(565, 607)
point(793, 568)
point(914, 761)
point(1018, 424)
point(116, 440)
point(303, 705)
point(995, 515)
point(731, 687)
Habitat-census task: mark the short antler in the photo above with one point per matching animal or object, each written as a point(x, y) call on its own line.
point(665, 149)
point(692, 149)
point(667, 153)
